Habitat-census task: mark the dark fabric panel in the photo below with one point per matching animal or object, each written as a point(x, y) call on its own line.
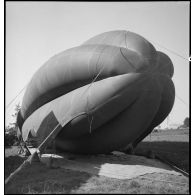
point(20, 120)
point(47, 125)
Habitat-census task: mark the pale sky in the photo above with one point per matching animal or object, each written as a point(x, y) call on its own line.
point(35, 31)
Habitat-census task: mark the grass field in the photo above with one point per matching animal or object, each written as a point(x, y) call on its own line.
point(40, 179)
point(172, 145)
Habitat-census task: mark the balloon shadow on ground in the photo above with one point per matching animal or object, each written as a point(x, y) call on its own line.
point(61, 177)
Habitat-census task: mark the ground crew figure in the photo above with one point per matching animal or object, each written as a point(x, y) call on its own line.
point(19, 136)
point(23, 147)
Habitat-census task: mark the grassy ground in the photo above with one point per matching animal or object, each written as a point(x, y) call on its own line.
point(37, 178)
point(173, 146)
point(12, 160)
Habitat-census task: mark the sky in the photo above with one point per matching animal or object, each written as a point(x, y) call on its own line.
point(35, 31)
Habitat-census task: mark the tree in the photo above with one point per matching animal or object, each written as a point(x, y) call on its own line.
point(17, 109)
point(11, 131)
point(186, 122)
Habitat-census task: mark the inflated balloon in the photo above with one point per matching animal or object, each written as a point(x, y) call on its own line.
point(109, 92)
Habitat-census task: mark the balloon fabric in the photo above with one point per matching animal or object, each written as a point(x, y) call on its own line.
point(109, 92)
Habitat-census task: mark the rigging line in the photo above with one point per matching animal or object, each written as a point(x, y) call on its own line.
point(15, 97)
point(100, 71)
point(91, 83)
point(170, 50)
point(181, 100)
point(126, 39)
point(90, 127)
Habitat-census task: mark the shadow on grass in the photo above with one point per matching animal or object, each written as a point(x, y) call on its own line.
point(38, 178)
point(11, 164)
point(175, 152)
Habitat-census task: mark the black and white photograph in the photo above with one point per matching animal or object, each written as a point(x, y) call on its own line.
point(97, 97)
